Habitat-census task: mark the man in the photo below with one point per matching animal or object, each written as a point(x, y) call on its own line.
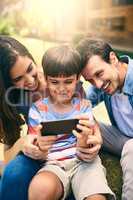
point(112, 80)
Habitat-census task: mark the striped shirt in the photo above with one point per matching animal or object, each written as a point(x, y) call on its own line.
point(65, 145)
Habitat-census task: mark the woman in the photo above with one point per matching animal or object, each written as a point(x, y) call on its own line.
point(19, 80)
point(20, 84)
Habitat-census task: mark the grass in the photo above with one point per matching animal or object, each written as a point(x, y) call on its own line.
point(114, 172)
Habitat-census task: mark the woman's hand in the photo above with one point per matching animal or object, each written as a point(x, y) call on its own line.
point(30, 149)
point(93, 139)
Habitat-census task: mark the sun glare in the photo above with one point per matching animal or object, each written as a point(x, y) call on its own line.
point(55, 15)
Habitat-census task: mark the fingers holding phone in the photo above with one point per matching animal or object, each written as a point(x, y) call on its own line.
point(43, 142)
point(83, 131)
point(46, 142)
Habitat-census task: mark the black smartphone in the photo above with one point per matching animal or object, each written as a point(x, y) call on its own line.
point(58, 127)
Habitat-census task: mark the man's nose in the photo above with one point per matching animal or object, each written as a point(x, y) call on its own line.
point(98, 83)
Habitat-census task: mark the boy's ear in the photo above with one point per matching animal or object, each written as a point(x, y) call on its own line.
point(113, 58)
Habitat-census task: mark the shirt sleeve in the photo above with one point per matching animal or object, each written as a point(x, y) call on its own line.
point(34, 119)
point(94, 95)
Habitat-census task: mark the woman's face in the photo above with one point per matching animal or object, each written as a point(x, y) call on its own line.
point(24, 74)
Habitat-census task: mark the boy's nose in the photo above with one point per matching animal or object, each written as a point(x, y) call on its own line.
point(61, 87)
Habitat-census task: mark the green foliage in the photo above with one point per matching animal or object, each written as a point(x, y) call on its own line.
point(6, 26)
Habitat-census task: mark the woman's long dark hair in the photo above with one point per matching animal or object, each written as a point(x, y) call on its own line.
point(10, 119)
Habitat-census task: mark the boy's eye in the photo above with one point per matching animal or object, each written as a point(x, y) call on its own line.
point(54, 82)
point(68, 81)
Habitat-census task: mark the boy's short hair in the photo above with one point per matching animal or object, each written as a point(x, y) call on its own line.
point(61, 60)
point(89, 46)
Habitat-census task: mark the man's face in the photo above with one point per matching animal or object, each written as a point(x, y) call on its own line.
point(101, 74)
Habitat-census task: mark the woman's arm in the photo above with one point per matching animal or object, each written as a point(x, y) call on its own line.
point(11, 151)
point(28, 146)
point(24, 144)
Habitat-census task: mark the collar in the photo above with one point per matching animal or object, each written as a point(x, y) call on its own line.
point(128, 83)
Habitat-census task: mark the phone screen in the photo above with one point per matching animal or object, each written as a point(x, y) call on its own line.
point(59, 127)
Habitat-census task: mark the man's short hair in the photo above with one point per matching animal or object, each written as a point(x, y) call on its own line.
point(88, 47)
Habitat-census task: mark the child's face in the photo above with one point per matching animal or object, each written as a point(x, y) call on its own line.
point(62, 88)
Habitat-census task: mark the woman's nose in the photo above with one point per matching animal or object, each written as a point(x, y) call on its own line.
point(29, 80)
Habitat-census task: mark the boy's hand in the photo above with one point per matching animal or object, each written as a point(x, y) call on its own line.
point(84, 129)
point(45, 142)
point(30, 146)
point(93, 140)
point(82, 136)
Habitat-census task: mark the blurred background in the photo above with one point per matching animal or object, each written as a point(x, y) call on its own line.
point(69, 20)
point(40, 24)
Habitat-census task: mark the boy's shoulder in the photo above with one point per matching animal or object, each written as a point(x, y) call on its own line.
point(81, 103)
point(42, 104)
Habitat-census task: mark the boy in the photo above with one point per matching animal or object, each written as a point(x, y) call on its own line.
point(61, 67)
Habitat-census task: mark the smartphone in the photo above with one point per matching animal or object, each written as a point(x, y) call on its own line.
point(58, 127)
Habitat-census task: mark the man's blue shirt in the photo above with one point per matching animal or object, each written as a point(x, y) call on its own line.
point(96, 95)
